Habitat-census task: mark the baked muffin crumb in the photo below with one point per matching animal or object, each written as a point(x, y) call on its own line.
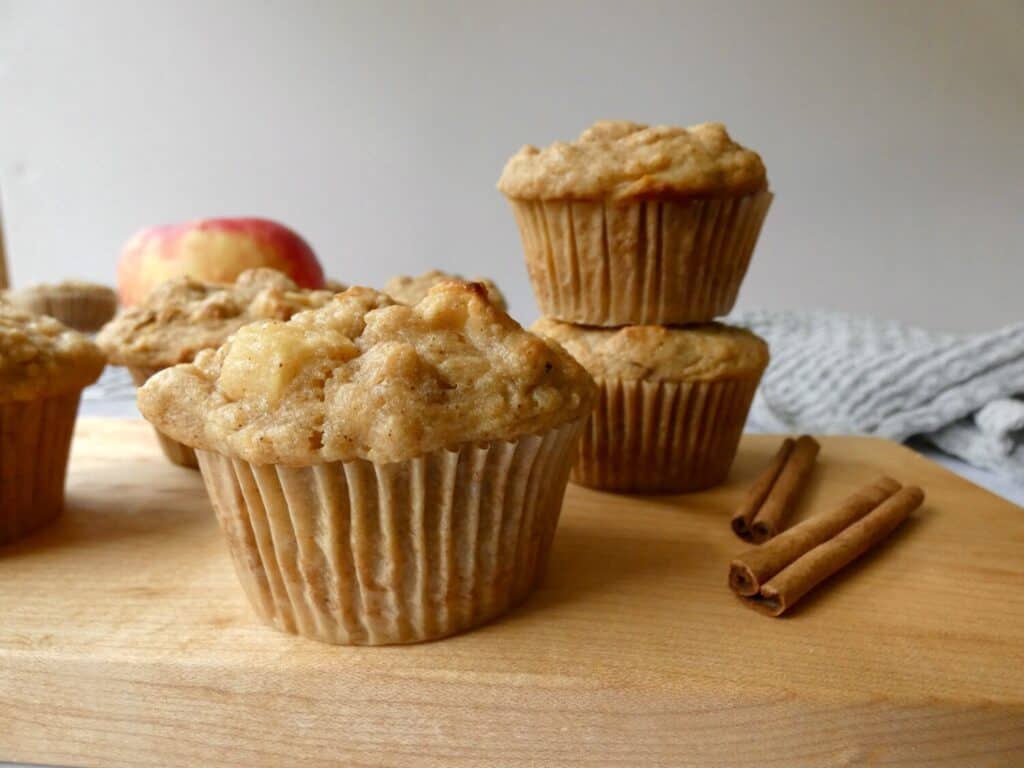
point(366, 377)
point(40, 357)
point(183, 316)
point(411, 290)
point(703, 352)
point(618, 159)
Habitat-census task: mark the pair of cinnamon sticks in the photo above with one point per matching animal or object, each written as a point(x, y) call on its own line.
point(773, 577)
point(776, 491)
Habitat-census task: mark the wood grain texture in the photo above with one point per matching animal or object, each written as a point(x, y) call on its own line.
point(126, 641)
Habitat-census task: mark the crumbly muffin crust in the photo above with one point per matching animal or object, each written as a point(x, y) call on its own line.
point(364, 377)
point(183, 316)
point(707, 352)
point(39, 357)
point(411, 290)
point(618, 160)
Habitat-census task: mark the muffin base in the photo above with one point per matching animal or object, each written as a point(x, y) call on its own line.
point(358, 553)
point(83, 313)
point(35, 440)
point(177, 453)
point(658, 262)
point(663, 437)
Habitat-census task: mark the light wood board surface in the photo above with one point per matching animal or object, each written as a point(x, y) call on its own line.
point(125, 640)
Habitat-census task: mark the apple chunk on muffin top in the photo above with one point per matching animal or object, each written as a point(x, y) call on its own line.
point(364, 377)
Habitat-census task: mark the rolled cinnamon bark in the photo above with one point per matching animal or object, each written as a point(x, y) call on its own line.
point(796, 580)
point(786, 490)
point(755, 566)
point(759, 491)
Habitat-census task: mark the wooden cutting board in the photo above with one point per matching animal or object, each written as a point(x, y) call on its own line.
point(125, 640)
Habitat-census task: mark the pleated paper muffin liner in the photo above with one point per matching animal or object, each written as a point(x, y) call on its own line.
point(84, 313)
point(660, 262)
point(360, 553)
point(663, 436)
point(35, 439)
point(178, 453)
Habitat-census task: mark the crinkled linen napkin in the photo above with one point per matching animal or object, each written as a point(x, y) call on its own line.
point(838, 373)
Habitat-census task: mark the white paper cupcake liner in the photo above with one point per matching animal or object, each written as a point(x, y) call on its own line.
point(35, 440)
point(358, 553)
point(177, 453)
point(660, 262)
point(84, 313)
point(663, 436)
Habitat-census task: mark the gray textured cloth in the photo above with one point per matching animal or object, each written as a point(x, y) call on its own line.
point(837, 373)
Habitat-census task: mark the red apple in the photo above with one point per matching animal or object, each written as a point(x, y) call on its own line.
point(213, 250)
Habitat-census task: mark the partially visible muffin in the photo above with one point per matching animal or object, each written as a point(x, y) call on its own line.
point(79, 305)
point(671, 404)
point(637, 224)
point(183, 316)
point(44, 367)
point(424, 449)
point(411, 290)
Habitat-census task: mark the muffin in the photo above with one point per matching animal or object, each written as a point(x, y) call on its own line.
point(44, 367)
point(411, 290)
point(82, 306)
point(183, 316)
point(383, 473)
point(671, 402)
point(633, 224)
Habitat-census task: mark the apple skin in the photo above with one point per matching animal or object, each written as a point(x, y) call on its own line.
point(215, 251)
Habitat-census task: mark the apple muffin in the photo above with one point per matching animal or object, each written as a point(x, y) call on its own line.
point(77, 304)
point(671, 402)
point(183, 316)
point(634, 224)
point(411, 290)
point(383, 473)
point(44, 366)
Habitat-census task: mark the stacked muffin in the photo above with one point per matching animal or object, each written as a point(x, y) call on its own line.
point(636, 238)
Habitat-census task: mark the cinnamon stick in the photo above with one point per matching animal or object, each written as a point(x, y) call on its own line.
point(759, 491)
point(754, 567)
point(786, 490)
point(785, 588)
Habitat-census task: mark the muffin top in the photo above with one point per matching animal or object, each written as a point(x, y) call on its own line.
point(708, 352)
point(39, 357)
point(411, 290)
point(364, 377)
point(619, 160)
point(182, 316)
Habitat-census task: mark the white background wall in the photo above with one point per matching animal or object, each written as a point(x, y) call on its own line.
point(893, 132)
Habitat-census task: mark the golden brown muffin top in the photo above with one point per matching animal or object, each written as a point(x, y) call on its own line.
point(618, 160)
point(411, 290)
point(707, 352)
point(39, 357)
point(183, 316)
point(364, 377)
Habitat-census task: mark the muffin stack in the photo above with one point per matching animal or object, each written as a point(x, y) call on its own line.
point(636, 238)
